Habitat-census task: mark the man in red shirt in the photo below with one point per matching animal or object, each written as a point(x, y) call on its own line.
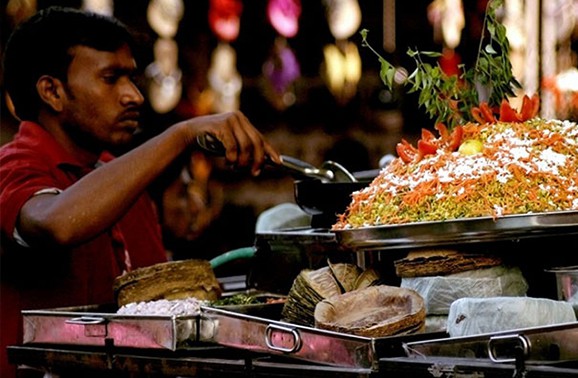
point(73, 217)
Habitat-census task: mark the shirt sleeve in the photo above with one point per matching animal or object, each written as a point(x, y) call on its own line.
point(16, 234)
point(22, 177)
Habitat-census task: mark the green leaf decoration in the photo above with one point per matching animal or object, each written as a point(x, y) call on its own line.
point(449, 99)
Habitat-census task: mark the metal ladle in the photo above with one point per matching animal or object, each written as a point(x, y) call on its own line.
point(329, 171)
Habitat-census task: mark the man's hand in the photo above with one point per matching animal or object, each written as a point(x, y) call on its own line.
point(243, 144)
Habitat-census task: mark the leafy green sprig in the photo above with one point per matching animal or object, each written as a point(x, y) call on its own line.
point(449, 99)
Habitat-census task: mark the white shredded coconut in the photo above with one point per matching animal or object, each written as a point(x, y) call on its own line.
point(176, 307)
point(543, 153)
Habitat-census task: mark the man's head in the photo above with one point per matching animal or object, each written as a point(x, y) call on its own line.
point(43, 44)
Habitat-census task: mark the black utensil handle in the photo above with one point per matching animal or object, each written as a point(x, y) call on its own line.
point(214, 146)
point(289, 162)
point(211, 144)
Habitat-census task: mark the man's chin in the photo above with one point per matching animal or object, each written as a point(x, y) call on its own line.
point(124, 138)
point(123, 141)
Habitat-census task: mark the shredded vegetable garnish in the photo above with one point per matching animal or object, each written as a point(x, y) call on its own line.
point(523, 167)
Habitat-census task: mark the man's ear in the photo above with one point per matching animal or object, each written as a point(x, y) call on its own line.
point(50, 91)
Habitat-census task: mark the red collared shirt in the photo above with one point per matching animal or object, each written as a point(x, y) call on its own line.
point(43, 278)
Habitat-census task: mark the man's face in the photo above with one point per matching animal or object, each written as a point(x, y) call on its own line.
point(102, 101)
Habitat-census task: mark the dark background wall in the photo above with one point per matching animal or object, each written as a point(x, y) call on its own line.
point(357, 133)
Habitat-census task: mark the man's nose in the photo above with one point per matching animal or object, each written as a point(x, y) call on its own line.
point(132, 94)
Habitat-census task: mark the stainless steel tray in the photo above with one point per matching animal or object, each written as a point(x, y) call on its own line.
point(99, 325)
point(463, 230)
point(274, 337)
point(558, 342)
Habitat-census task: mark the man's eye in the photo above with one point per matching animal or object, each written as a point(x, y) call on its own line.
point(110, 79)
point(138, 80)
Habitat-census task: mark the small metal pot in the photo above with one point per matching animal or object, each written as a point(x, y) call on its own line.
point(325, 200)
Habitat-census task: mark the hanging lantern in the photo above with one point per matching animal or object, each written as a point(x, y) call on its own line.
point(165, 87)
point(284, 16)
point(344, 17)
point(164, 16)
point(224, 80)
point(105, 7)
point(225, 18)
point(342, 70)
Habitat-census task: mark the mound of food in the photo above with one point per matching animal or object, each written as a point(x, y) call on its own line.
point(485, 169)
point(490, 161)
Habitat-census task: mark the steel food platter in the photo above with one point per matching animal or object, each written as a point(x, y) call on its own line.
point(93, 326)
point(463, 230)
point(98, 325)
point(300, 342)
point(555, 342)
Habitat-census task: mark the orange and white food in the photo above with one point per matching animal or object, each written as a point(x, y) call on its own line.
point(507, 163)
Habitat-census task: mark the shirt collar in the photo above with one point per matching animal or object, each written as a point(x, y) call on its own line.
point(38, 137)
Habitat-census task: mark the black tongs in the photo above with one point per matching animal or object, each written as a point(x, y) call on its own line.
point(329, 171)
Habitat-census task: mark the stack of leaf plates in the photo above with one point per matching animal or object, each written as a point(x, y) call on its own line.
point(312, 286)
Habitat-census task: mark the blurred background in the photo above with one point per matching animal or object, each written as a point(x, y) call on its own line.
point(299, 71)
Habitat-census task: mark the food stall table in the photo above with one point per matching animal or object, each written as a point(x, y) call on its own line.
point(469, 367)
point(215, 361)
point(209, 361)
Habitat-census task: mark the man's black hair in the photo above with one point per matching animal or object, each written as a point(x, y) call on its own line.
point(41, 46)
